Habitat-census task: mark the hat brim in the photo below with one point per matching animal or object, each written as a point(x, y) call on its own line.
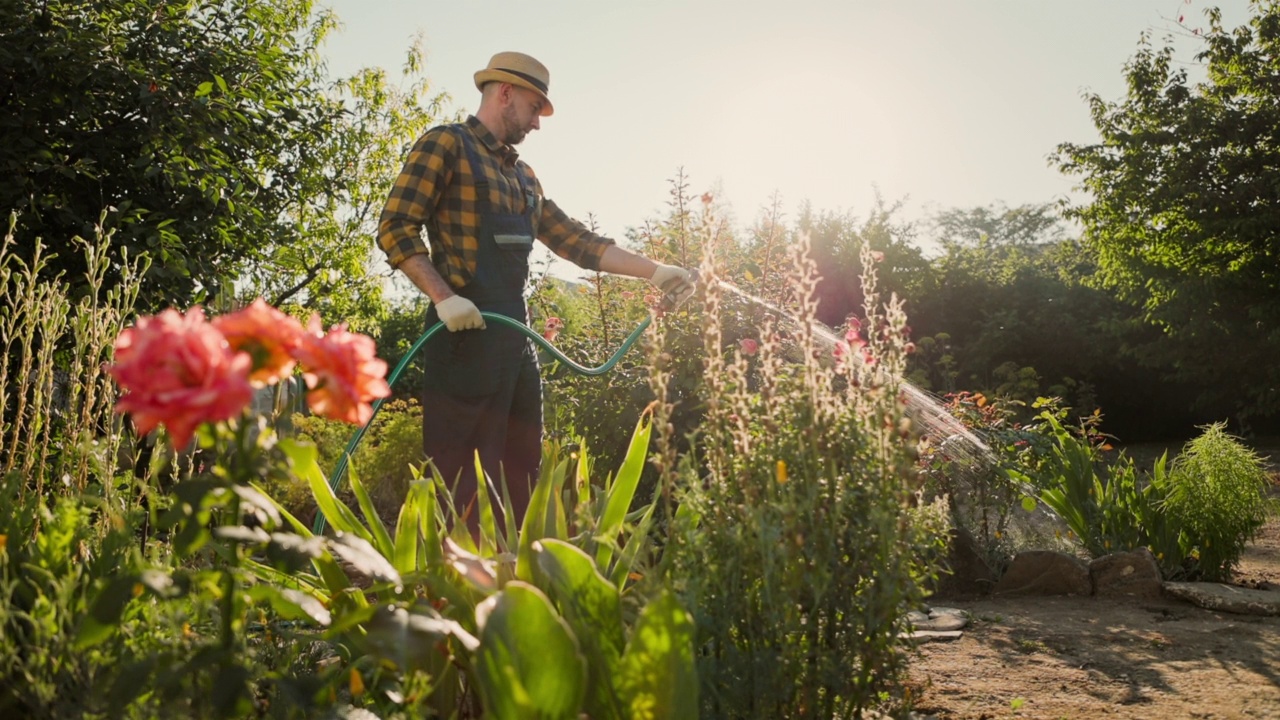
point(488, 76)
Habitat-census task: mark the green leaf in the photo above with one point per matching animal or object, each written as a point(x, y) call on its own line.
point(537, 524)
point(292, 604)
point(429, 522)
point(405, 555)
point(586, 599)
point(1028, 503)
point(623, 489)
point(658, 677)
point(381, 538)
point(104, 614)
point(306, 464)
point(204, 88)
point(527, 664)
point(593, 608)
point(484, 506)
point(364, 558)
point(222, 84)
point(411, 639)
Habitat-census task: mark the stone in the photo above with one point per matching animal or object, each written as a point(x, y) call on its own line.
point(938, 620)
point(924, 636)
point(1227, 598)
point(968, 572)
point(1045, 572)
point(1132, 574)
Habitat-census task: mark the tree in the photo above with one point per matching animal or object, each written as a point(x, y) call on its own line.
point(322, 259)
point(837, 239)
point(191, 123)
point(1185, 209)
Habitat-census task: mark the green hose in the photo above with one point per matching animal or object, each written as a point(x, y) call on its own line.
point(341, 467)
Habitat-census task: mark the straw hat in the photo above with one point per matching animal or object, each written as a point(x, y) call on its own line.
point(518, 69)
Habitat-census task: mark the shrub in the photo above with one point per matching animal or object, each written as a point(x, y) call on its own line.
point(791, 542)
point(1217, 495)
point(1195, 515)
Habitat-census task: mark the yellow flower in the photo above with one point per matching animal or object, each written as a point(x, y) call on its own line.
point(781, 472)
point(357, 683)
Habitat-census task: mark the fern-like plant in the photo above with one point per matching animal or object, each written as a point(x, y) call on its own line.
point(1217, 491)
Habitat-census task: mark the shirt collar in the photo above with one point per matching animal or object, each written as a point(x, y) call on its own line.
point(504, 151)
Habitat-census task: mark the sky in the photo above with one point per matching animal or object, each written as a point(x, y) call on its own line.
point(937, 104)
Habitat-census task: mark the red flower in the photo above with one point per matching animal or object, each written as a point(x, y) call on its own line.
point(178, 371)
point(342, 373)
point(552, 328)
point(749, 346)
point(267, 335)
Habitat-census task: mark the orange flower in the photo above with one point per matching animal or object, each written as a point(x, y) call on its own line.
point(342, 373)
point(178, 371)
point(267, 335)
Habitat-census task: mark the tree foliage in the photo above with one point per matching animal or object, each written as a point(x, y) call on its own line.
point(190, 123)
point(324, 259)
point(1186, 204)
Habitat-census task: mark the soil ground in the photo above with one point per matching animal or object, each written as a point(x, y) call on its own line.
point(1085, 657)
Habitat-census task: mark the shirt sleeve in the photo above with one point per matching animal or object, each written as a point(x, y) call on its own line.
point(415, 195)
point(569, 238)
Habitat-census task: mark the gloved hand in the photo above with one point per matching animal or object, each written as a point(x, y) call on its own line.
point(673, 280)
point(459, 313)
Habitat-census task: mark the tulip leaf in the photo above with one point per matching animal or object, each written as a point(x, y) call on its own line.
point(306, 464)
point(623, 490)
point(593, 608)
point(527, 664)
point(381, 538)
point(657, 674)
point(364, 558)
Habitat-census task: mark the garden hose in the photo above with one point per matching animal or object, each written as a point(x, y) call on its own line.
point(668, 303)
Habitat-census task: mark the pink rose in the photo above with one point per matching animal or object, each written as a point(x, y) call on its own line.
point(342, 373)
point(267, 335)
point(178, 371)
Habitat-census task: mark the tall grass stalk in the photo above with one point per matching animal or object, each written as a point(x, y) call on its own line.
point(55, 398)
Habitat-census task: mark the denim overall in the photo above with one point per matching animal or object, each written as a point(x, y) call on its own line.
point(482, 389)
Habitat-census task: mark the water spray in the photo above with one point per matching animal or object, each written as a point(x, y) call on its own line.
point(957, 440)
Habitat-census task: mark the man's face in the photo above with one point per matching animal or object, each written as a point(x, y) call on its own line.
point(521, 115)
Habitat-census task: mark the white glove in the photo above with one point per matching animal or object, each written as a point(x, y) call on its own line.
point(459, 313)
point(674, 281)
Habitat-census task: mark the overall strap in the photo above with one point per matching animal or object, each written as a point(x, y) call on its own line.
point(477, 169)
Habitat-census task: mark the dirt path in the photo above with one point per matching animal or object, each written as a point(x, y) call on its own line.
point(1056, 658)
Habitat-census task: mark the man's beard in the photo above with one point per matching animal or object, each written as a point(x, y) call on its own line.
point(512, 131)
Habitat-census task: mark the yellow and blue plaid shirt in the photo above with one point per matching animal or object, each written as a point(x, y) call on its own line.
point(437, 190)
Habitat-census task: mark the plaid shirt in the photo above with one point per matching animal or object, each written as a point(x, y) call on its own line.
point(436, 190)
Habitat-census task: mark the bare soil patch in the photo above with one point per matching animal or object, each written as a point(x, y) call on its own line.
point(1090, 657)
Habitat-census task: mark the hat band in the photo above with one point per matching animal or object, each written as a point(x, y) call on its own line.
point(527, 78)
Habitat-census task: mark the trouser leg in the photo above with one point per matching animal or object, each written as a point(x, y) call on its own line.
point(454, 429)
point(523, 453)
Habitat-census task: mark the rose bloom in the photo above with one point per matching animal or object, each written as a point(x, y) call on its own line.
point(342, 374)
point(267, 335)
point(748, 346)
point(178, 371)
point(551, 328)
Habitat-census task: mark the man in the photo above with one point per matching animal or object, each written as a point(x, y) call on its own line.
point(482, 208)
